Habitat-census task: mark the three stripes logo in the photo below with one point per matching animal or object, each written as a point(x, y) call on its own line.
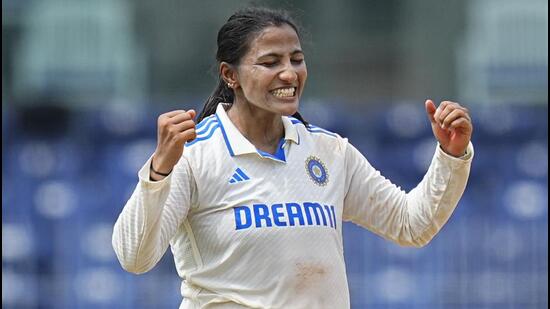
point(238, 176)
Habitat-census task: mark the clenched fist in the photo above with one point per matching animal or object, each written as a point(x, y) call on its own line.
point(174, 129)
point(451, 125)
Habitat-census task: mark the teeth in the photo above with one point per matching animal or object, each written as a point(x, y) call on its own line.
point(284, 92)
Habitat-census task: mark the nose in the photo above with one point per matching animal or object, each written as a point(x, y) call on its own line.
point(288, 75)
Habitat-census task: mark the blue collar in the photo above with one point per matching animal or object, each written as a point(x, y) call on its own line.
point(237, 144)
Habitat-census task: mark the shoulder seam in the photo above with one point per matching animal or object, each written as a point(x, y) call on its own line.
point(313, 128)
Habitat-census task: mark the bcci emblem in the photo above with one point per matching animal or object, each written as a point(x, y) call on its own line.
point(317, 171)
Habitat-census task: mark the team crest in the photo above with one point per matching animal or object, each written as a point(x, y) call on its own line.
point(317, 171)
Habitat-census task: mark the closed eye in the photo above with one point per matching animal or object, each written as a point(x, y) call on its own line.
point(269, 64)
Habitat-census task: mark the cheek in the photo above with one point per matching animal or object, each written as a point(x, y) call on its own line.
point(258, 75)
point(302, 72)
point(260, 81)
point(303, 77)
point(254, 79)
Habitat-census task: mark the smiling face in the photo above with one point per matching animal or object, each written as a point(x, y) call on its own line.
point(272, 74)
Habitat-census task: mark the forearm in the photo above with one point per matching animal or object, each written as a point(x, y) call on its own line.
point(151, 216)
point(409, 219)
point(137, 235)
point(430, 205)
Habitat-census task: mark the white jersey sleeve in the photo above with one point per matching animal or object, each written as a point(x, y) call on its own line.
point(151, 217)
point(409, 219)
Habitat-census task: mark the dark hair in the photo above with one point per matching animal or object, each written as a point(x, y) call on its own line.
point(234, 39)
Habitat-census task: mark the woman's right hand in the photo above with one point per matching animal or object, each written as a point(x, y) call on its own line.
point(174, 129)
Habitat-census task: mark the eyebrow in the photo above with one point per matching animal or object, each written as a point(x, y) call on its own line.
point(296, 51)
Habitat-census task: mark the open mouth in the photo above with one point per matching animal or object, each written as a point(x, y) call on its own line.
point(288, 92)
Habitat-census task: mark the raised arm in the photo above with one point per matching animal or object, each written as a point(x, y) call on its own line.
point(159, 203)
point(414, 218)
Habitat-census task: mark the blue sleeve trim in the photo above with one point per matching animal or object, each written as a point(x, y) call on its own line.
point(205, 121)
point(204, 128)
point(204, 136)
point(294, 120)
point(312, 128)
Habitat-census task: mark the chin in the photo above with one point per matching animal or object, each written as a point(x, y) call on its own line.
point(289, 111)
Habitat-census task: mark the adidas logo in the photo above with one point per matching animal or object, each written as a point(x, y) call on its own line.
point(238, 176)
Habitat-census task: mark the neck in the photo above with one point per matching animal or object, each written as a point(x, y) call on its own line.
point(262, 128)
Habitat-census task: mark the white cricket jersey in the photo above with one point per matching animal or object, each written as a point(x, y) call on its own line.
point(250, 229)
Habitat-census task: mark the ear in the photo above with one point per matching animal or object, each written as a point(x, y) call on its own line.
point(228, 74)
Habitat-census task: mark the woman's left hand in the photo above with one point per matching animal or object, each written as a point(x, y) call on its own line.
point(452, 126)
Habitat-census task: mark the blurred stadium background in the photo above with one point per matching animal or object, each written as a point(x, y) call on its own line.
point(83, 83)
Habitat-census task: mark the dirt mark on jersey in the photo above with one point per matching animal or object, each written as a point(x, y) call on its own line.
point(309, 275)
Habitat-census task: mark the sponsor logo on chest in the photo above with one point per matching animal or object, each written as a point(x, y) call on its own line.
point(284, 215)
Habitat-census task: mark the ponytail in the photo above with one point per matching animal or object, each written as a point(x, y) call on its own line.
point(222, 93)
point(299, 117)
